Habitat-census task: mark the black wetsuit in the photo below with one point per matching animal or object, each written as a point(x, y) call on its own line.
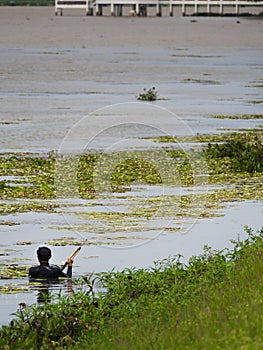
point(44, 270)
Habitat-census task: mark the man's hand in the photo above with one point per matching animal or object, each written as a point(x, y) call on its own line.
point(70, 262)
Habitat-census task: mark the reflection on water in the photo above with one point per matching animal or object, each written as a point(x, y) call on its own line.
point(46, 288)
point(21, 291)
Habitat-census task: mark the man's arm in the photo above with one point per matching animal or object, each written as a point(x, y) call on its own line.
point(69, 270)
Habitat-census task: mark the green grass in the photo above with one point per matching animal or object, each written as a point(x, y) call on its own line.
point(218, 307)
point(213, 302)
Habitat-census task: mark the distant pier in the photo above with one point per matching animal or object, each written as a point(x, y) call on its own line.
point(142, 7)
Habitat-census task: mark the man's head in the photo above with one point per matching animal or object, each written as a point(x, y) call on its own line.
point(43, 254)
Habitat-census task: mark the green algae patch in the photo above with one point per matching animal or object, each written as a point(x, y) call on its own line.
point(202, 81)
point(64, 241)
point(13, 271)
point(235, 160)
point(232, 158)
point(14, 289)
point(255, 102)
point(143, 215)
point(25, 243)
point(37, 171)
point(8, 223)
point(8, 122)
point(241, 116)
point(10, 208)
point(196, 56)
point(206, 138)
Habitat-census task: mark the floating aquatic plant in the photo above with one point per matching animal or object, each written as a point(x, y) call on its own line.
point(202, 81)
point(14, 288)
point(148, 95)
point(25, 243)
point(241, 154)
point(241, 116)
point(63, 241)
point(13, 271)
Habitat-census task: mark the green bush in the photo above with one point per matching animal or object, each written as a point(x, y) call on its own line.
point(243, 153)
point(148, 95)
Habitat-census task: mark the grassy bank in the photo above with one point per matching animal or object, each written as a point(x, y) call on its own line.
point(213, 302)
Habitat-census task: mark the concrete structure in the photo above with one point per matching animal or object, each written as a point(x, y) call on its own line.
point(60, 5)
point(140, 7)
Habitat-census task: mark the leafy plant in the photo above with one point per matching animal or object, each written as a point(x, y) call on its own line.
point(243, 153)
point(148, 95)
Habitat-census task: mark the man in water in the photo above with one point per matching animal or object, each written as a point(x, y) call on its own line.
point(44, 270)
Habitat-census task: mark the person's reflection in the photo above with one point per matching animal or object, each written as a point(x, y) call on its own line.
point(47, 288)
point(43, 295)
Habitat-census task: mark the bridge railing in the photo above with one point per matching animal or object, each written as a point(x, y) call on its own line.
point(139, 7)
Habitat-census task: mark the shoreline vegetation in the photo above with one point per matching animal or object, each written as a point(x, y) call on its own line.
point(213, 302)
